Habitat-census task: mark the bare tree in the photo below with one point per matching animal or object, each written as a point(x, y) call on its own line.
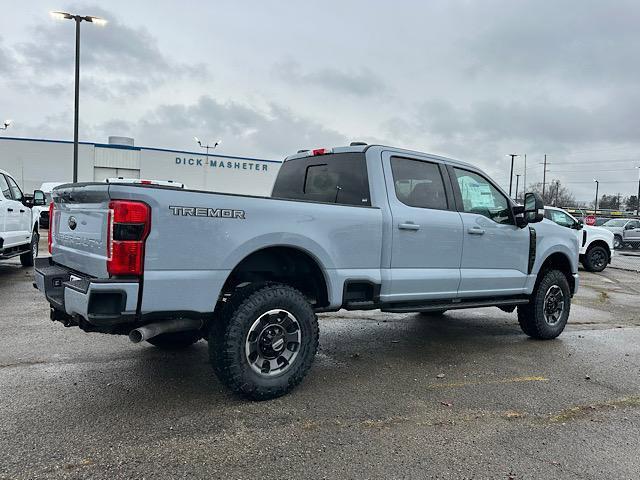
point(555, 193)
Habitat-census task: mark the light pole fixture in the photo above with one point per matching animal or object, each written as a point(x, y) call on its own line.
point(207, 146)
point(6, 124)
point(595, 205)
point(78, 19)
point(513, 156)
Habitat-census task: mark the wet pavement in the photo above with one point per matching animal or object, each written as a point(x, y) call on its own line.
point(466, 395)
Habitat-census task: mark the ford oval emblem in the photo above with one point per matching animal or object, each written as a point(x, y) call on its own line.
point(72, 223)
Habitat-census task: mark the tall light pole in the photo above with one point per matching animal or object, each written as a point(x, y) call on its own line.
point(207, 146)
point(595, 205)
point(513, 157)
point(517, 182)
point(77, 19)
point(5, 125)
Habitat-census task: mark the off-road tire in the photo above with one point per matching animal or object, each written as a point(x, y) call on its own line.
point(617, 242)
point(531, 316)
point(27, 258)
point(228, 333)
point(595, 259)
point(175, 340)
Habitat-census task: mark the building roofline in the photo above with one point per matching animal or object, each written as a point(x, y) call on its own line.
point(129, 147)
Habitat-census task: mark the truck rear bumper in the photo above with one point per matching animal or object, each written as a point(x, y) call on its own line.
point(102, 303)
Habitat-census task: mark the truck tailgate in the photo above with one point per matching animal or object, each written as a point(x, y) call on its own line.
point(80, 226)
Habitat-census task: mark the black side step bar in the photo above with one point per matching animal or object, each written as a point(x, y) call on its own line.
point(471, 303)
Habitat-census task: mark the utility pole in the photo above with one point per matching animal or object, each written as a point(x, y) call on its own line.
point(513, 156)
point(544, 174)
point(595, 205)
point(524, 179)
point(517, 182)
point(638, 209)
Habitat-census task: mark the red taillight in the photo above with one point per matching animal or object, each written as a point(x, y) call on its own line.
point(51, 224)
point(128, 226)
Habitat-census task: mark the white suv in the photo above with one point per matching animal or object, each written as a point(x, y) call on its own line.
point(18, 227)
point(596, 243)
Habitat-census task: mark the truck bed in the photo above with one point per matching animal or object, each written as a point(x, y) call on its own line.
point(198, 237)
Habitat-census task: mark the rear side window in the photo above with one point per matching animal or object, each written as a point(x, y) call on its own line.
point(418, 183)
point(335, 178)
point(4, 186)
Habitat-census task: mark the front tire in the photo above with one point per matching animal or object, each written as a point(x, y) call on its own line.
point(27, 258)
point(617, 242)
point(264, 342)
point(546, 314)
point(596, 259)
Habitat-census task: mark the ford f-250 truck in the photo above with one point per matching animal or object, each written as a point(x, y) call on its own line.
point(358, 227)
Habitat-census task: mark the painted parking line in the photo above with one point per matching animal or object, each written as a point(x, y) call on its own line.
point(489, 382)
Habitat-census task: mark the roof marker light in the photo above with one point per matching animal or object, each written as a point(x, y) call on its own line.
point(321, 151)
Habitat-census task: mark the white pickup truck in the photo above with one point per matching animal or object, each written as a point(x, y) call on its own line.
point(18, 226)
point(596, 243)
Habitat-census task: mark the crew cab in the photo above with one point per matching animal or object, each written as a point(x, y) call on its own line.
point(596, 243)
point(358, 227)
point(18, 226)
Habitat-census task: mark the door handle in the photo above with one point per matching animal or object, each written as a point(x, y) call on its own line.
point(9, 209)
point(408, 226)
point(476, 231)
point(22, 211)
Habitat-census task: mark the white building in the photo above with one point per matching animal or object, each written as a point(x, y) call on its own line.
point(34, 161)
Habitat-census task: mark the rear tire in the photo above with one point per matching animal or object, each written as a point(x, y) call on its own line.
point(265, 340)
point(175, 340)
point(27, 258)
point(596, 259)
point(546, 314)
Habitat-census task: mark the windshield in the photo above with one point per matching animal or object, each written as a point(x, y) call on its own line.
point(616, 222)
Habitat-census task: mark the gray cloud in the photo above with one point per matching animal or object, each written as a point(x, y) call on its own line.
point(273, 133)
point(581, 42)
point(359, 82)
point(116, 59)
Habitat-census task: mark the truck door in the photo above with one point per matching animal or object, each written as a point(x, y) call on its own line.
point(495, 251)
point(22, 213)
point(9, 215)
point(632, 231)
point(426, 231)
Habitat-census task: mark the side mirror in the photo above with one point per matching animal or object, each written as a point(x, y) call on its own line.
point(533, 208)
point(39, 198)
point(578, 225)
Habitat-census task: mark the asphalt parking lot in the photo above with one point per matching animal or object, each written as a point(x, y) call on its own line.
point(389, 396)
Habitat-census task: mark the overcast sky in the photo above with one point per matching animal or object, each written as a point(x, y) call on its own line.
point(467, 79)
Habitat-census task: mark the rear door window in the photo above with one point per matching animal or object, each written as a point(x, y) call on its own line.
point(418, 183)
point(335, 178)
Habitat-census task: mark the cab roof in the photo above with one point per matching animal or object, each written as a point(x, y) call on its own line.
point(379, 148)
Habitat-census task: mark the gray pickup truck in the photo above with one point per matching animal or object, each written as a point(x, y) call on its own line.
point(356, 228)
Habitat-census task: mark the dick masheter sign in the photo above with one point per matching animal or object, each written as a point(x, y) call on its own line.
point(222, 164)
